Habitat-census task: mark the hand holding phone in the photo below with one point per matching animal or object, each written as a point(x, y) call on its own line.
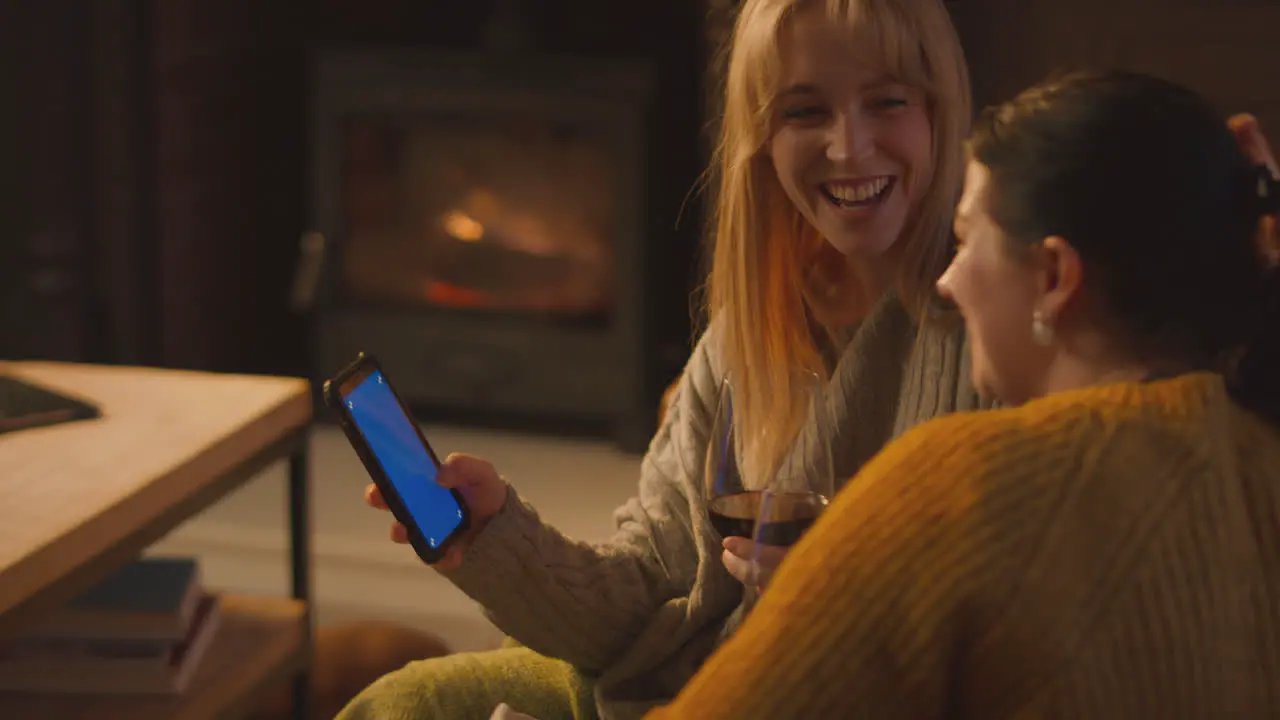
point(398, 458)
point(483, 490)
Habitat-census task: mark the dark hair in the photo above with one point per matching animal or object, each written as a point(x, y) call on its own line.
point(1147, 183)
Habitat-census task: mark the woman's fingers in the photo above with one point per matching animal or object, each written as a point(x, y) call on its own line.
point(1252, 142)
point(399, 534)
point(373, 497)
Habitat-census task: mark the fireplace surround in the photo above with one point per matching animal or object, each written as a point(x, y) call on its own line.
point(483, 222)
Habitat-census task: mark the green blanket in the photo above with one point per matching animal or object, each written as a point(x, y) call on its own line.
point(468, 686)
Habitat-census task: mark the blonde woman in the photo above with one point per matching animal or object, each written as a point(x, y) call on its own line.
point(837, 171)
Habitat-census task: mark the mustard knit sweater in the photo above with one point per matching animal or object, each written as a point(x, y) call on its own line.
point(1108, 552)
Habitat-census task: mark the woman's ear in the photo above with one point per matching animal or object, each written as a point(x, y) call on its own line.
point(1060, 275)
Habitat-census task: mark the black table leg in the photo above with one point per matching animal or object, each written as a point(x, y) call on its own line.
point(300, 563)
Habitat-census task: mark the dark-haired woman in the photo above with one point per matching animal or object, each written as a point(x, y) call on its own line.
point(1109, 546)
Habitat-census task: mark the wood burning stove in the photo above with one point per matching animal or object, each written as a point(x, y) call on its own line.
point(483, 219)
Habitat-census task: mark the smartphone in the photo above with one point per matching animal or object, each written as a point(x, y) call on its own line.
point(397, 456)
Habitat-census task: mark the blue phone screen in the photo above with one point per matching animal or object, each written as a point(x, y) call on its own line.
point(394, 441)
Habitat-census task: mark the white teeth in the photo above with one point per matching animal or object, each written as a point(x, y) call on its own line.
point(860, 192)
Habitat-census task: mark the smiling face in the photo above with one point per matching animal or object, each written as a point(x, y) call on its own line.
point(996, 293)
point(851, 146)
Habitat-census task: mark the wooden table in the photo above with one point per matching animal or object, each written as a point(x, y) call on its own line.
point(81, 499)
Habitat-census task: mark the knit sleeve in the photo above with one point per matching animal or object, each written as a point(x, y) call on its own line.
point(862, 619)
point(587, 602)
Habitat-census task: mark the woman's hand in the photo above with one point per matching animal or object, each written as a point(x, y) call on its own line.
point(751, 566)
point(1254, 145)
point(1252, 142)
point(483, 490)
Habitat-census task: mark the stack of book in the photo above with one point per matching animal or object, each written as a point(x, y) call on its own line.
point(143, 630)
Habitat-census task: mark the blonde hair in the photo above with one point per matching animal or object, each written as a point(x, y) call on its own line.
point(758, 295)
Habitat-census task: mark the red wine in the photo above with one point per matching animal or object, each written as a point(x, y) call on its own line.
point(735, 515)
point(788, 515)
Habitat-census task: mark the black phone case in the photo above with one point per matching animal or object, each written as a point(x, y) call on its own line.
point(333, 398)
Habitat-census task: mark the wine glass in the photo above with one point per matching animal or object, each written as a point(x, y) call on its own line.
point(802, 480)
point(777, 502)
point(731, 506)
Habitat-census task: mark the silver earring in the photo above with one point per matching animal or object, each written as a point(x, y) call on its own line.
point(1041, 331)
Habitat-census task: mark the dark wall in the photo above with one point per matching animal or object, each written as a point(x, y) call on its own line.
point(229, 128)
point(1225, 49)
point(152, 184)
point(45, 249)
